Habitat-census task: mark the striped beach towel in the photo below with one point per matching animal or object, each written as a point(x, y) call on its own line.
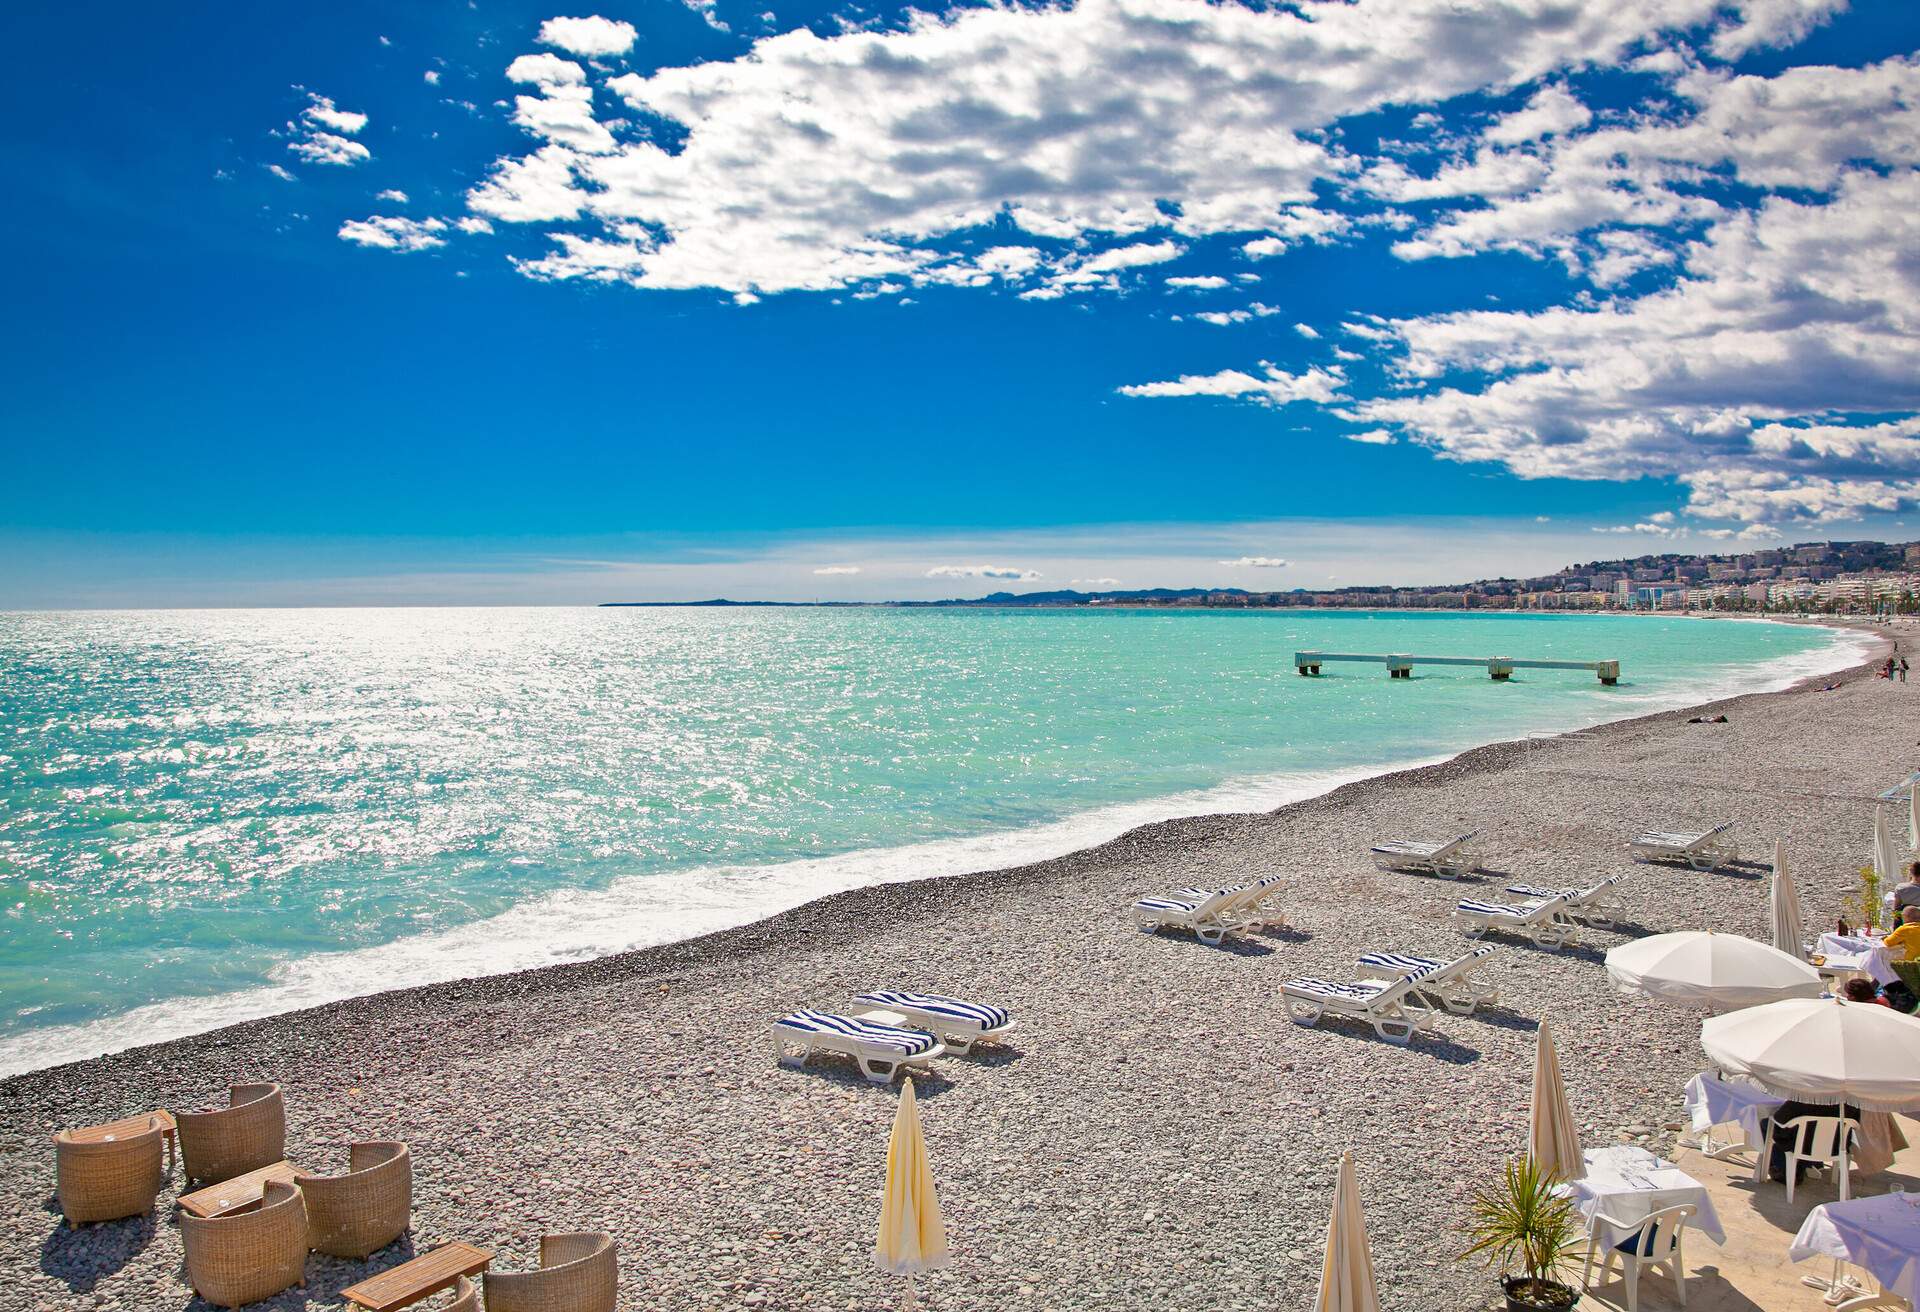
point(907, 1042)
point(1411, 967)
point(935, 1004)
point(1500, 910)
point(1326, 988)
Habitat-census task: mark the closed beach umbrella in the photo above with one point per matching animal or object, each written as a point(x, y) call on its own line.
point(1822, 1050)
point(1886, 863)
point(1788, 936)
point(1553, 1138)
point(1913, 818)
point(1346, 1279)
point(913, 1234)
point(1703, 969)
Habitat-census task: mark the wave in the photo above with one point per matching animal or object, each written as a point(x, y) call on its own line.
point(642, 911)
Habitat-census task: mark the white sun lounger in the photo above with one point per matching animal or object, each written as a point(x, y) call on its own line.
point(1257, 904)
point(1544, 920)
point(1449, 859)
point(1210, 917)
point(956, 1023)
point(882, 1051)
point(1707, 850)
point(1595, 905)
point(1457, 985)
point(1387, 1005)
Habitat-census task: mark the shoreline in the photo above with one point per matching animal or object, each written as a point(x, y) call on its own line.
point(965, 856)
point(1161, 1135)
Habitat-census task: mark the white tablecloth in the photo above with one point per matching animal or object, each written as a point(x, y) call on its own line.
point(1880, 1233)
point(1712, 1101)
point(1630, 1184)
point(1852, 952)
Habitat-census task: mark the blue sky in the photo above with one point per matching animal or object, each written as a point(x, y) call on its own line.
point(683, 301)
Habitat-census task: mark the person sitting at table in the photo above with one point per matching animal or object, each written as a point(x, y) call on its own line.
point(1792, 1110)
point(1908, 894)
point(1862, 990)
point(1901, 943)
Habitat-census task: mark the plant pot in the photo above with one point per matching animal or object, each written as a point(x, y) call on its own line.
point(1528, 1295)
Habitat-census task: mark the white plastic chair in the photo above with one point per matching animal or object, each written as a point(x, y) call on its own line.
point(1654, 1242)
point(1822, 1141)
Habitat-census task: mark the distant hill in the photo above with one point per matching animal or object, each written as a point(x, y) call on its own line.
point(1058, 597)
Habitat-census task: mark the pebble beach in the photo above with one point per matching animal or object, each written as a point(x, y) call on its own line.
point(1159, 1133)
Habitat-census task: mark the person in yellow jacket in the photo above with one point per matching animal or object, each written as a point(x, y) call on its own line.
point(1902, 942)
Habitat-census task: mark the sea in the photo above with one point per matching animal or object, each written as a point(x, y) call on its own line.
point(211, 816)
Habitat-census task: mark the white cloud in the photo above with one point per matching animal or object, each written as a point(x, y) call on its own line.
point(1095, 583)
point(431, 77)
point(1307, 331)
point(1371, 437)
point(1257, 562)
point(704, 8)
point(1198, 283)
point(983, 572)
point(327, 148)
point(1552, 111)
point(396, 196)
point(821, 162)
point(284, 174)
point(473, 225)
point(546, 70)
point(564, 116)
point(590, 37)
point(838, 570)
point(1273, 386)
point(390, 232)
point(323, 112)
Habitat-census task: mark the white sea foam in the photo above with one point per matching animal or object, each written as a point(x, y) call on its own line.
point(648, 910)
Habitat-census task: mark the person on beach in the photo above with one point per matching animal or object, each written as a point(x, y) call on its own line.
point(1862, 990)
point(1903, 669)
point(1908, 894)
point(1901, 943)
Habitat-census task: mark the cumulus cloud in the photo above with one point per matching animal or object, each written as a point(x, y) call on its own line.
point(1198, 282)
point(983, 572)
point(393, 194)
point(431, 77)
point(1257, 562)
point(1272, 386)
point(326, 114)
point(392, 233)
point(323, 134)
point(591, 37)
point(837, 570)
point(1096, 583)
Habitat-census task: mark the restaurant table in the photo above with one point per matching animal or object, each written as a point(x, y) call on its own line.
point(1630, 1184)
point(1712, 1101)
point(1853, 952)
point(1880, 1234)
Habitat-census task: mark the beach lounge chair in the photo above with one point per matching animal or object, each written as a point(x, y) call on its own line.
point(1210, 915)
point(249, 1254)
point(364, 1210)
point(882, 1051)
point(956, 1023)
point(1595, 905)
point(104, 1175)
point(1457, 985)
point(1387, 1005)
point(1544, 920)
point(1707, 850)
point(578, 1273)
point(250, 1132)
point(1255, 906)
point(1449, 859)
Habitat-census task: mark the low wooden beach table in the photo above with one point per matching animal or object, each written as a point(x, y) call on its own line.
point(423, 1277)
point(231, 1195)
point(120, 1129)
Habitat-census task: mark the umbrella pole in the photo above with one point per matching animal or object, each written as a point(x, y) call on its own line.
point(912, 1299)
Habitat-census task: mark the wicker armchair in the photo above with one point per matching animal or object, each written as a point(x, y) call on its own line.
point(577, 1273)
point(250, 1254)
point(466, 1297)
point(104, 1180)
point(248, 1134)
point(366, 1209)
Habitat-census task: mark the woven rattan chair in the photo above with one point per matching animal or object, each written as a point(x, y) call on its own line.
point(104, 1181)
point(250, 1254)
point(466, 1298)
point(246, 1135)
point(577, 1273)
point(366, 1209)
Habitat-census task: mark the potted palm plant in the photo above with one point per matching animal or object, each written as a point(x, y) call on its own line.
point(1519, 1225)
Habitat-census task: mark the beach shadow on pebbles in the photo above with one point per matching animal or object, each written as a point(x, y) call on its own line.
point(1505, 1018)
point(1429, 1043)
point(81, 1259)
point(845, 1072)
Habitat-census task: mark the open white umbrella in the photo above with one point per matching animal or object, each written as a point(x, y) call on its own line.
point(1788, 934)
point(1346, 1278)
point(1822, 1050)
point(1552, 1136)
point(1704, 969)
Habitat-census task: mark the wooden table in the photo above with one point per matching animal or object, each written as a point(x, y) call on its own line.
point(130, 1125)
point(423, 1277)
point(231, 1195)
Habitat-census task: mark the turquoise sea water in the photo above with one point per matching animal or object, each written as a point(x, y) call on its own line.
point(206, 816)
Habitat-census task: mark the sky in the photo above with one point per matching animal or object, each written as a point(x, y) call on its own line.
point(477, 302)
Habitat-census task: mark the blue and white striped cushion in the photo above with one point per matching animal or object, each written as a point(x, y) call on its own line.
point(977, 1013)
point(1535, 890)
point(1394, 961)
point(1326, 988)
point(1500, 910)
point(907, 1042)
point(1167, 904)
point(1202, 894)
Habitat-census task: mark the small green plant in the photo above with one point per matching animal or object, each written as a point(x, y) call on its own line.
point(1519, 1222)
point(1864, 907)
